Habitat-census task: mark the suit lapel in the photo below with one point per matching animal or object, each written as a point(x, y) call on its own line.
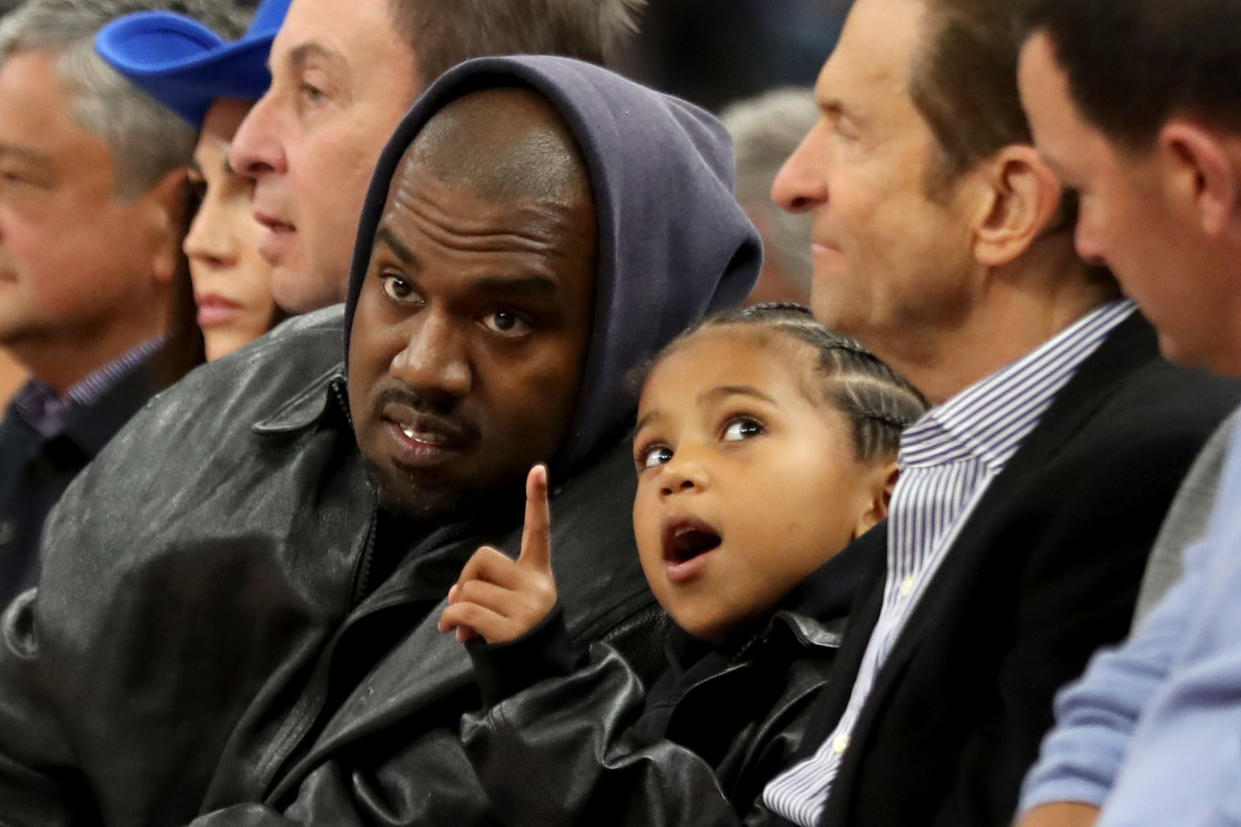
point(1129, 345)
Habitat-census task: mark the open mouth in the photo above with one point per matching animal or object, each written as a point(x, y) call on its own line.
point(429, 432)
point(687, 539)
point(420, 434)
point(422, 439)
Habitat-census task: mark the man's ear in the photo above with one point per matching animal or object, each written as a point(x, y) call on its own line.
point(164, 210)
point(1024, 197)
point(881, 482)
point(1198, 172)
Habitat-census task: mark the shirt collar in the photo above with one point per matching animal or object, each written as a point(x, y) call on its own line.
point(989, 419)
point(46, 410)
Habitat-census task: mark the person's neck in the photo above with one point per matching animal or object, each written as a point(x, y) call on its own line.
point(62, 362)
point(1021, 306)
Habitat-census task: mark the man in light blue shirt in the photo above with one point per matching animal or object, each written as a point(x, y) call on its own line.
point(1136, 104)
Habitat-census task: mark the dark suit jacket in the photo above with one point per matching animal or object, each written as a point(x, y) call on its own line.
point(1045, 571)
point(35, 471)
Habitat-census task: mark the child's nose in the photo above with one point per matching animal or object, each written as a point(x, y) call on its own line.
point(682, 474)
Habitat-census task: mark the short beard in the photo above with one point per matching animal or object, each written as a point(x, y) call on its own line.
point(431, 502)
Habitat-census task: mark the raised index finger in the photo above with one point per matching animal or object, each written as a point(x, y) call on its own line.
point(536, 533)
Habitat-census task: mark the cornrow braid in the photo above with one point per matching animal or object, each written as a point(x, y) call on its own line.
point(879, 402)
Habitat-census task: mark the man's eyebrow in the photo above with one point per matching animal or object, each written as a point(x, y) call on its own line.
point(831, 106)
point(721, 391)
point(24, 153)
point(385, 236)
point(303, 52)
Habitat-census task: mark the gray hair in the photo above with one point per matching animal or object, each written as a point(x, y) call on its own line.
point(146, 140)
point(444, 33)
point(765, 131)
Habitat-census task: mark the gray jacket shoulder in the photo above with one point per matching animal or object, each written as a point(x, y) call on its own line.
point(1186, 520)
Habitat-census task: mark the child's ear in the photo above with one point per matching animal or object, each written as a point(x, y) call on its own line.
point(882, 480)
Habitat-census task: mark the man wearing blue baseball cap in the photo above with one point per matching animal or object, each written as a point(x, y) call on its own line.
point(185, 64)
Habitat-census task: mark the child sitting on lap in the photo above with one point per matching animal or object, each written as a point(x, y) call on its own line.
point(764, 445)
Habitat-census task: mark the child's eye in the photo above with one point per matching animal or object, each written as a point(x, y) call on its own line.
point(740, 429)
point(654, 456)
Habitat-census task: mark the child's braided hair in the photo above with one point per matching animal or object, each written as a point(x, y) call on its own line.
point(879, 402)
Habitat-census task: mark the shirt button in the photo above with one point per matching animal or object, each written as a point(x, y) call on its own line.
point(907, 586)
point(841, 743)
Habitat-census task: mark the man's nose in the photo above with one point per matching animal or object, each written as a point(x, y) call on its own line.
point(435, 358)
point(801, 184)
point(256, 147)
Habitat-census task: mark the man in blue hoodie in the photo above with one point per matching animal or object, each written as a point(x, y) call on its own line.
point(237, 617)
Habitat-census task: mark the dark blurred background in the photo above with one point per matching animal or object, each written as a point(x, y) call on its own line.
point(714, 52)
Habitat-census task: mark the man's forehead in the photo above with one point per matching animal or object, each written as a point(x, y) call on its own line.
point(418, 187)
point(328, 29)
point(1045, 97)
point(502, 144)
point(875, 52)
point(528, 245)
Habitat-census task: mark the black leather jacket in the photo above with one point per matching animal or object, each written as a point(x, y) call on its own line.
point(590, 748)
point(194, 644)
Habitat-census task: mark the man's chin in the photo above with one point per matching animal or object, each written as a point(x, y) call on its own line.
point(431, 496)
point(421, 497)
point(298, 290)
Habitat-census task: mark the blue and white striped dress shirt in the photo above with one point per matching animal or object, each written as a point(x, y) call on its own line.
point(947, 460)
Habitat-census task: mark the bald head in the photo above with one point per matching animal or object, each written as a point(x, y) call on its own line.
point(502, 144)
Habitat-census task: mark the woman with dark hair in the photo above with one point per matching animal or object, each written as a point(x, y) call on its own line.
point(226, 301)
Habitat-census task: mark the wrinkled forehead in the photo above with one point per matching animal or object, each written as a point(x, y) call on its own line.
point(422, 199)
point(498, 162)
point(878, 46)
point(519, 204)
point(502, 143)
point(351, 46)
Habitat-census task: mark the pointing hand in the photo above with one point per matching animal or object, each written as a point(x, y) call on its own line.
point(497, 597)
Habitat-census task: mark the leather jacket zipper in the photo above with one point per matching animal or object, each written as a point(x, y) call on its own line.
point(362, 580)
point(311, 703)
point(362, 576)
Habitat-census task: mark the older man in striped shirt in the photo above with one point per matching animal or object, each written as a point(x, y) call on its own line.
point(1030, 494)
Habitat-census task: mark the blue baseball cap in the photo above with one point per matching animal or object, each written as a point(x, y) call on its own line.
point(185, 65)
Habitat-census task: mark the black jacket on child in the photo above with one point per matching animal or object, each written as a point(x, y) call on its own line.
point(561, 747)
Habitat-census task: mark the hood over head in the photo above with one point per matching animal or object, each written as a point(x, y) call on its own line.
point(673, 244)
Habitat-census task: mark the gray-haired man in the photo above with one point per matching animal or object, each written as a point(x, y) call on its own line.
point(91, 175)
